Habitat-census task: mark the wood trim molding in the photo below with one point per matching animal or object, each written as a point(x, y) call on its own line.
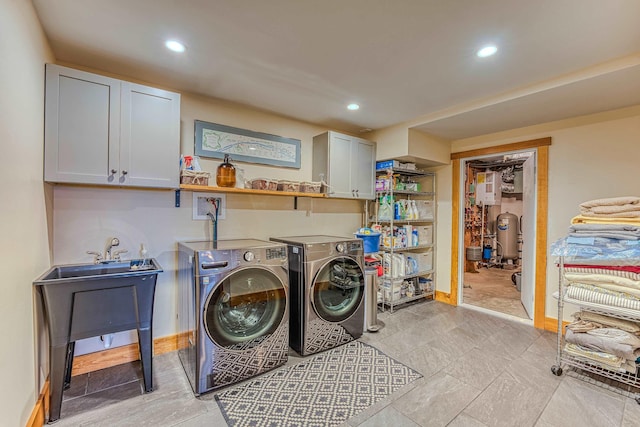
point(516, 146)
point(542, 174)
point(119, 355)
point(551, 325)
point(455, 232)
point(443, 297)
point(41, 409)
point(542, 212)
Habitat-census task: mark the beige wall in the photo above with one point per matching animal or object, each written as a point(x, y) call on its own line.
point(24, 252)
point(590, 157)
point(85, 217)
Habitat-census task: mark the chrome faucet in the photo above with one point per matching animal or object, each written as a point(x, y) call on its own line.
point(113, 241)
point(109, 254)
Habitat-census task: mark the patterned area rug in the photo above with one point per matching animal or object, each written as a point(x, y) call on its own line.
point(325, 390)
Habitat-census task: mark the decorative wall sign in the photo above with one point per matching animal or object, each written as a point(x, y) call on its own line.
point(214, 140)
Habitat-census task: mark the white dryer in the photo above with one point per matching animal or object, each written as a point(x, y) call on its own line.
point(233, 310)
point(326, 283)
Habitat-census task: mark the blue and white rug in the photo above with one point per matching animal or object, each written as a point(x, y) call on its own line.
point(325, 390)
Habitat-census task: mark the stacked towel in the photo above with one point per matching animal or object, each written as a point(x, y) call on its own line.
point(611, 231)
point(605, 341)
point(614, 207)
point(612, 218)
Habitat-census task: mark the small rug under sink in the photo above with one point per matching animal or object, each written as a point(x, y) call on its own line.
point(325, 390)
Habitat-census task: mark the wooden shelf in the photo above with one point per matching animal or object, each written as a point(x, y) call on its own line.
point(204, 188)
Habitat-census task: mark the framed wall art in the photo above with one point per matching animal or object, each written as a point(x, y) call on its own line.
point(215, 140)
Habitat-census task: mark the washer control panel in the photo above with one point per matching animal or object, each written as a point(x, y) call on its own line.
point(277, 253)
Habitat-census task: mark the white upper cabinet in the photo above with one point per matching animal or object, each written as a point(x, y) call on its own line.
point(100, 130)
point(346, 163)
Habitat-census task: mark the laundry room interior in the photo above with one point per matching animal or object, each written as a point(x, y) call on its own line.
point(331, 214)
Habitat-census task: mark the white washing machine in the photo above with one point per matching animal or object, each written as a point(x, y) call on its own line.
point(327, 284)
point(233, 310)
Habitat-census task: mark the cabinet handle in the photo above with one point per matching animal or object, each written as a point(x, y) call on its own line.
point(114, 171)
point(124, 172)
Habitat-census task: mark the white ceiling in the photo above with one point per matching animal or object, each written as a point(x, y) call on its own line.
point(402, 61)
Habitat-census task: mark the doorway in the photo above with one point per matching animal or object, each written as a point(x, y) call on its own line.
point(541, 146)
point(498, 194)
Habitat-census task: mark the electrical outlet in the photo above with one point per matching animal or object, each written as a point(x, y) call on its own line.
point(202, 206)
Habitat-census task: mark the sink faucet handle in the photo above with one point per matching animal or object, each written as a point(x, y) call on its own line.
point(116, 254)
point(97, 256)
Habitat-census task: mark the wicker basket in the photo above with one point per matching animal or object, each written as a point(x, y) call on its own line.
point(194, 177)
point(291, 186)
point(310, 187)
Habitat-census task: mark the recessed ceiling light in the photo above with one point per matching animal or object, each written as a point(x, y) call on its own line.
point(175, 46)
point(353, 107)
point(487, 51)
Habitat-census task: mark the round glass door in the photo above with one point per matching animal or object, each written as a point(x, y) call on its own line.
point(338, 289)
point(245, 308)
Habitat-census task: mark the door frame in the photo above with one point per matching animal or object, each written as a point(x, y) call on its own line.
point(542, 182)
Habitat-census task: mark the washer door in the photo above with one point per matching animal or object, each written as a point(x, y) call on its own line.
point(245, 308)
point(338, 289)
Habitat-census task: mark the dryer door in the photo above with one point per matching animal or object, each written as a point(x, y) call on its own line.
point(245, 308)
point(338, 289)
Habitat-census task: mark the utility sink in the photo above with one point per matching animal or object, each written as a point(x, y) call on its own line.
point(87, 300)
point(100, 271)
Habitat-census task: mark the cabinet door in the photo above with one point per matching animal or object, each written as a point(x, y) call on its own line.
point(363, 172)
point(149, 137)
point(81, 126)
point(340, 166)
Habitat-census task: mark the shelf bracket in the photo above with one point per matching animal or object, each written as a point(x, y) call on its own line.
point(177, 198)
point(295, 203)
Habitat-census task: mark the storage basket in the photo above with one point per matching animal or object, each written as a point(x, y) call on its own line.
point(310, 187)
point(194, 177)
point(291, 186)
point(264, 184)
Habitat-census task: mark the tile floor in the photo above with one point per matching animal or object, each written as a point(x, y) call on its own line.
point(493, 289)
point(479, 370)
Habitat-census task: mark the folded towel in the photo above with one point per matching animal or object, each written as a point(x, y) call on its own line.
point(582, 219)
point(611, 201)
point(618, 207)
point(611, 231)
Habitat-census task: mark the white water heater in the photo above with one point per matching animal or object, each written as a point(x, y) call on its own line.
point(507, 235)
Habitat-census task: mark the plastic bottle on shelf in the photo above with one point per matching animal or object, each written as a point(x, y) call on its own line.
point(414, 210)
point(414, 237)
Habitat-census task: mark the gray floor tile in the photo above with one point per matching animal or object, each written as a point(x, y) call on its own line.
point(437, 402)
point(463, 420)
point(389, 416)
point(427, 360)
point(121, 374)
point(509, 401)
point(631, 414)
point(477, 368)
point(86, 406)
point(78, 387)
point(576, 403)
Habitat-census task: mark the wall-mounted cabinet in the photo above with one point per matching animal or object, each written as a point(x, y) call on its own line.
point(346, 163)
point(104, 131)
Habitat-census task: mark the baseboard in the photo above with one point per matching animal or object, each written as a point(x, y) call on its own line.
point(551, 324)
point(444, 297)
point(119, 355)
point(41, 409)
